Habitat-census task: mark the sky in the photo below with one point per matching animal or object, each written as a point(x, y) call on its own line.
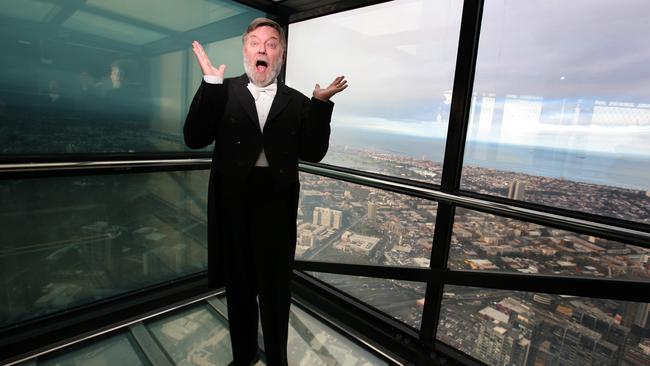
point(571, 74)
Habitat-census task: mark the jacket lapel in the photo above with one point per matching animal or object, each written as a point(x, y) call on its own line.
point(282, 97)
point(243, 95)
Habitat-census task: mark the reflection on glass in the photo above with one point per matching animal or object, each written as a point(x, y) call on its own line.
point(107, 76)
point(193, 13)
point(195, 337)
point(119, 349)
point(484, 241)
point(572, 131)
point(313, 343)
point(519, 328)
point(71, 241)
point(399, 57)
point(348, 223)
point(404, 300)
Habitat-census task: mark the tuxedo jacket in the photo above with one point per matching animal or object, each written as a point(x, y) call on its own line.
point(297, 128)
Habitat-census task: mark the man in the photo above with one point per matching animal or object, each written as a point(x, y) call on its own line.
point(261, 128)
point(123, 99)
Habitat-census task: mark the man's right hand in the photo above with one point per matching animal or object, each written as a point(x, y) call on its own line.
point(204, 62)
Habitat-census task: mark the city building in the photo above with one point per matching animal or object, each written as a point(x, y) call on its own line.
point(372, 211)
point(517, 190)
point(362, 244)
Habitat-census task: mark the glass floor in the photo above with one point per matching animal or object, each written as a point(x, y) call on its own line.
point(197, 334)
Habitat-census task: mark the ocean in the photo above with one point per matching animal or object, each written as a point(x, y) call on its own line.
point(619, 170)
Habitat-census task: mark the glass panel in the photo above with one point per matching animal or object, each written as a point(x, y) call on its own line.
point(223, 52)
point(32, 10)
point(403, 300)
point(194, 337)
point(193, 13)
point(399, 58)
point(106, 27)
point(107, 76)
point(71, 241)
point(484, 241)
point(572, 131)
point(119, 349)
point(348, 223)
point(523, 328)
point(313, 343)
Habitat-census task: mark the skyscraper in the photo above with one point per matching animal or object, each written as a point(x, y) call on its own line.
point(336, 219)
point(372, 211)
point(517, 190)
point(327, 217)
point(500, 346)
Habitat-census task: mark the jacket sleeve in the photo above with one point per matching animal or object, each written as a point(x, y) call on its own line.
point(206, 110)
point(315, 129)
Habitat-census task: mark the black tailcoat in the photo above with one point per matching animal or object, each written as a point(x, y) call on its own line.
point(297, 128)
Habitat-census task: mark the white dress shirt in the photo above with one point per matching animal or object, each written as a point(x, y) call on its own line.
point(263, 101)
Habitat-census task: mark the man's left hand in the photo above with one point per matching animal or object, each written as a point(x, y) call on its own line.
point(338, 85)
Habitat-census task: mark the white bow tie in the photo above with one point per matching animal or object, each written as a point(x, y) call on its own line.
point(269, 90)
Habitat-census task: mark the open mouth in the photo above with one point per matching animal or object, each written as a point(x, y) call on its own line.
point(261, 65)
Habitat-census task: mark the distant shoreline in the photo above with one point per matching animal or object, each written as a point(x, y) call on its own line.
point(620, 170)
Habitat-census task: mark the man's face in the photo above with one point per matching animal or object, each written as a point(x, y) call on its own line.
point(263, 55)
point(116, 76)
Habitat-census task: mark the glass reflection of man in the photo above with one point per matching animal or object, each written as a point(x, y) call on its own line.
point(261, 128)
point(122, 99)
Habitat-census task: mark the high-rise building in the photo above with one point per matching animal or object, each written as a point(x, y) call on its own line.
point(306, 239)
point(637, 317)
point(498, 344)
point(642, 316)
point(372, 211)
point(517, 190)
point(336, 219)
point(97, 244)
point(612, 332)
point(327, 217)
point(316, 216)
point(569, 343)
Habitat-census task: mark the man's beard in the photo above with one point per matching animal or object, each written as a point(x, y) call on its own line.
point(271, 75)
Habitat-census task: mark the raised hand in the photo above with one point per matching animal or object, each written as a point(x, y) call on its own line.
point(338, 85)
point(204, 61)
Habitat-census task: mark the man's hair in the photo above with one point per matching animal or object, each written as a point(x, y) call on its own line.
point(261, 22)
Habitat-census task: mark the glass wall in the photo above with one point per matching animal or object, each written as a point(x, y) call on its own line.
point(314, 343)
point(399, 58)
point(487, 242)
point(560, 116)
point(561, 107)
point(107, 76)
point(196, 336)
point(343, 222)
point(72, 241)
point(349, 223)
point(502, 327)
point(120, 347)
point(403, 300)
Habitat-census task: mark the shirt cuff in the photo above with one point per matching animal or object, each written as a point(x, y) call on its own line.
point(213, 79)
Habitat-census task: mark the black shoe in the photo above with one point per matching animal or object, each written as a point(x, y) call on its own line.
point(255, 360)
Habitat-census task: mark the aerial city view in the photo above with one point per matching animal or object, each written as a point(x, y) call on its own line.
point(153, 225)
point(344, 222)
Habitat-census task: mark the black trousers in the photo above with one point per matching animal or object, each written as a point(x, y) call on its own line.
point(259, 233)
